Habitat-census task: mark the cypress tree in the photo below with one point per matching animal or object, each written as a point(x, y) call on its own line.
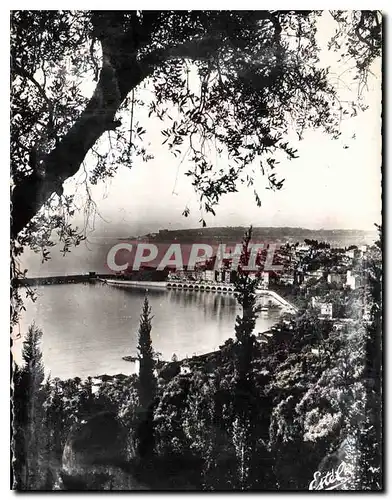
point(29, 437)
point(146, 384)
point(245, 405)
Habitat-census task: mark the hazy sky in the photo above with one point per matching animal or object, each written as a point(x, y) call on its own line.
point(328, 186)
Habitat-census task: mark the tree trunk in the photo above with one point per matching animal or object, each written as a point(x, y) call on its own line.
point(115, 82)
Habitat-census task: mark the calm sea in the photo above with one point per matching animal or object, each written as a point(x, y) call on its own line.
point(88, 328)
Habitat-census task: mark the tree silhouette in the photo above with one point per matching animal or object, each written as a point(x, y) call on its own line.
point(255, 72)
point(146, 384)
point(245, 406)
point(29, 436)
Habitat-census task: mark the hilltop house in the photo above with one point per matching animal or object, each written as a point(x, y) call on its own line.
point(325, 308)
point(209, 275)
point(185, 369)
point(353, 281)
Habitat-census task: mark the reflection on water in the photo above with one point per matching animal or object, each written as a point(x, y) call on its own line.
point(89, 327)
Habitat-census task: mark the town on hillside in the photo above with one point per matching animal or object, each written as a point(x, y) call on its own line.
point(312, 275)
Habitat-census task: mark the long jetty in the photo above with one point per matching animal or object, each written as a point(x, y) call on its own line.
point(200, 286)
point(111, 280)
point(58, 280)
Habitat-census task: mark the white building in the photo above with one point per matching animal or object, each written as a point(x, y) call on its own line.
point(185, 370)
point(303, 248)
point(209, 275)
point(326, 308)
point(352, 281)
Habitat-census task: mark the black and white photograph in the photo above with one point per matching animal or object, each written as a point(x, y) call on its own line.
point(196, 250)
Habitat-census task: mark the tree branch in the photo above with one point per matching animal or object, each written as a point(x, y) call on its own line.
point(33, 191)
point(25, 74)
point(120, 73)
point(360, 25)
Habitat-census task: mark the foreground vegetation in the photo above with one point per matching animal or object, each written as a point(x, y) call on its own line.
point(252, 415)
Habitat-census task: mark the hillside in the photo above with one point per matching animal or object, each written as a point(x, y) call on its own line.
point(281, 235)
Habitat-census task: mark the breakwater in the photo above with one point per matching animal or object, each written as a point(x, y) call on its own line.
point(201, 286)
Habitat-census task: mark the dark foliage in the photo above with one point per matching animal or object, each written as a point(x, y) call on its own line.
point(146, 384)
point(251, 416)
